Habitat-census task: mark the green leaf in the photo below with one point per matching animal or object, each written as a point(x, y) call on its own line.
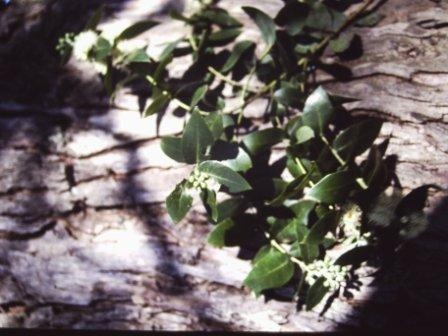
point(231, 207)
point(272, 270)
point(231, 155)
point(238, 51)
point(316, 293)
point(225, 176)
point(227, 121)
point(288, 95)
point(305, 49)
point(261, 253)
point(357, 138)
point(95, 19)
point(324, 18)
point(370, 20)
point(342, 42)
point(168, 50)
point(198, 95)
point(215, 123)
point(306, 252)
point(302, 210)
point(318, 110)
point(136, 29)
point(287, 230)
point(293, 125)
point(220, 17)
point(294, 168)
point(292, 16)
point(101, 49)
point(224, 35)
point(321, 210)
point(217, 237)
point(265, 24)
point(321, 228)
point(304, 134)
point(178, 203)
point(196, 138)
point(159, 101)
point(209, 199)
point(137, 56)
point(258, 141)
point(333, 188)
point(178, 16)
point(161, 67)
point(276, 225)
point(293, 188)
point(172, 147)
point(241, 163)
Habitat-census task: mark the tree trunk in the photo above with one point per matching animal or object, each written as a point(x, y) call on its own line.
point(85, 241)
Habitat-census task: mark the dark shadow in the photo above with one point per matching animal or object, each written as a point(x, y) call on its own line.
point(410, 289)
point(355, 50)
point(338, 71)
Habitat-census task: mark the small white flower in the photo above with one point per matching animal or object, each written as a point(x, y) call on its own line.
point(334, 275)
point(83, 43)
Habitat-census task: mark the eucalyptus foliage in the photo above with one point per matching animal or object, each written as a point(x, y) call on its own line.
point(311, 199)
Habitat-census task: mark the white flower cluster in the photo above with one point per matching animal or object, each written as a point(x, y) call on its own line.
point(84, 42)
point(334, 275)
point(65, 42)
point(200, 180)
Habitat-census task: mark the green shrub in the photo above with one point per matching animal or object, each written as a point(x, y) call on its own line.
point(317, 198)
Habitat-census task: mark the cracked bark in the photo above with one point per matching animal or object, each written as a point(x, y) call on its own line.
point(85, 241)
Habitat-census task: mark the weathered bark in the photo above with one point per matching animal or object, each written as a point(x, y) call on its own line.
point(85, 241)
point(402, 78)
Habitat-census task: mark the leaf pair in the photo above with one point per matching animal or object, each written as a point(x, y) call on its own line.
point(191, 148)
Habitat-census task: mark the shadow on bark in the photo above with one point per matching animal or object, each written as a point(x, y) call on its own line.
point(35, 77)
point(410, 292)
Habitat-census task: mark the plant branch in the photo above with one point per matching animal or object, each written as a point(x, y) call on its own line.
point(352, 17)
point(360, 181)
point(278, 247)
point(223, 77)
